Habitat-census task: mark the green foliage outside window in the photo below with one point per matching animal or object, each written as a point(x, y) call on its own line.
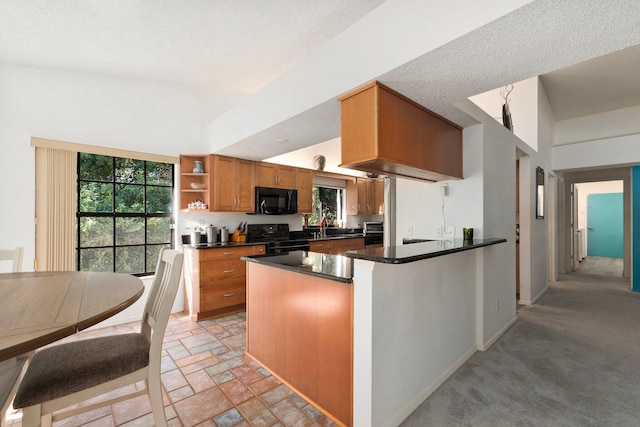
point(124, 213)
point(327, 201)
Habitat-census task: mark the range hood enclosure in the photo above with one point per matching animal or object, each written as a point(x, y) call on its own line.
point(386, 133)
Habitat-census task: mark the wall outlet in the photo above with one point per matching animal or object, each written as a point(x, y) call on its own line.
point(410, 230)
point(438, 231)
point(444, 190)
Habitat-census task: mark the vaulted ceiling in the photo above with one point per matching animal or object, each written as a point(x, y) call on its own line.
point(301, 55)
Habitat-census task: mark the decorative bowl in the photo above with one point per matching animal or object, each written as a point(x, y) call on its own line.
point(197, 185)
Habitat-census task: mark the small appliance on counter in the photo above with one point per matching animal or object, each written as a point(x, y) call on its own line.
point(373, 233)
point(224, 235)
point(212, 234)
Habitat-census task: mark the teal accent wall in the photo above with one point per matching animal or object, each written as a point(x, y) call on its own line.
point(635, 226)
point(605, 222)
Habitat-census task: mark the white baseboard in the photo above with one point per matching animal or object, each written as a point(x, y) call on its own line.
point(534, 299)
point(401, 415)
point(489, 343)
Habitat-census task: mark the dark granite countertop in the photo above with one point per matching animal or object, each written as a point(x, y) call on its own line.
point(332, 267)
point(204, 245)
point(418, 251)
point(221, 245)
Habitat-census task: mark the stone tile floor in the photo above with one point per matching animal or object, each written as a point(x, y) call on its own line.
point(208, 381)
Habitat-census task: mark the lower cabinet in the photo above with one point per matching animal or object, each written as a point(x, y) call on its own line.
point(337, 246)
point(215, 280)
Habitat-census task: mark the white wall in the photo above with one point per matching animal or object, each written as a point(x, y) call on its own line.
point(608, 152)
point(419, 203)
point(523, 101)
point(303, 158)
point(497, 277)
point(534, 241)
point(88, 109)
point(610, 124)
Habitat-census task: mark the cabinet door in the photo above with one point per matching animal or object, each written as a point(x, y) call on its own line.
point(266, 175)
point(339, 247)
point(286, 177)
point(224, 184)
point(304, 182)
point(365, 196)
point(352, 198)
point(275, 176)
point(245, 181)
point(378, 196)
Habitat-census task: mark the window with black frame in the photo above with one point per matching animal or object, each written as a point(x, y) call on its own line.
point(327, 201)
point(124, 213)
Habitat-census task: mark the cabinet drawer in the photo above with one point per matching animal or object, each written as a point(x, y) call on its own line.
point(322, 247)
point(230, 252)
point(221, 269)
point(222, 295)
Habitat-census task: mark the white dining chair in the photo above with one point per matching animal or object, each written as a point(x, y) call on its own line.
point(13, 255)
point(63, 375)
point(10, 370)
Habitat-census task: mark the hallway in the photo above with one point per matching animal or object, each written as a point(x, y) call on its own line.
point(601, 266)
point(570, 360)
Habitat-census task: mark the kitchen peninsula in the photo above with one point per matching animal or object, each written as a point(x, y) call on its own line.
point(369, 335)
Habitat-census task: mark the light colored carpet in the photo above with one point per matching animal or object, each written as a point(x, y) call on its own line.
point(601, 266)
point(573, 359)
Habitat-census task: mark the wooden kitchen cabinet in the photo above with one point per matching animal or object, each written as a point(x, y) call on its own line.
point(352, 198)
point(215, 279)
point(233, 185)
point(378, 196)
point(304, 184)
point(365, 197)
point(386, 133)
point(321, 246)
point(340, 246)
point(187, 193)
point(275, 176)
point(337, 246)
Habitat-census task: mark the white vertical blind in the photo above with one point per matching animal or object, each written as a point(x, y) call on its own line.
point(55, 209)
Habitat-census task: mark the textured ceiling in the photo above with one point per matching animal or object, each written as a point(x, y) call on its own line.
point(242, 47)
point(232, 45)
point(602, 84)
point(542, 37)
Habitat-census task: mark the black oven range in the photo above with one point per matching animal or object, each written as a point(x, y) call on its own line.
point(276, 236)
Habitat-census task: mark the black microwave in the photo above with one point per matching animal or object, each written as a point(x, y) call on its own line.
point(276, 201)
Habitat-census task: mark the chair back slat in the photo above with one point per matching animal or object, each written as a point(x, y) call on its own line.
point(14, 255)
point(162, 295)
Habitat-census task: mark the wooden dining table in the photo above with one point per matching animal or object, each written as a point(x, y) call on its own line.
point(39, 308)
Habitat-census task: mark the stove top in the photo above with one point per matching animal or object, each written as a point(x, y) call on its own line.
point(267, 232)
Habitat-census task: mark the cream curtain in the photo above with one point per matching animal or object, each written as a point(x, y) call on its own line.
point(55, 209)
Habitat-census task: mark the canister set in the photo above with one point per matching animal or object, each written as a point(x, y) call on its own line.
point(211, 233)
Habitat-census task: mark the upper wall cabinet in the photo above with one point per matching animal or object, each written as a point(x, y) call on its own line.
point(386, 133)
point(304, 184)
point(365, 196)
point(275, 176)
point(233, 184)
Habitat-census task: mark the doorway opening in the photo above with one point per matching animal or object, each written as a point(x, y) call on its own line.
point(599, 231)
